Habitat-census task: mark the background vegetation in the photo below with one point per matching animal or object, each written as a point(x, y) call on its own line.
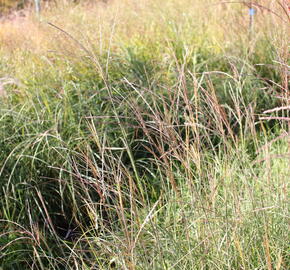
point(145, 135)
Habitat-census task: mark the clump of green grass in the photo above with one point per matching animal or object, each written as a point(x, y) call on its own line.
point(143, 148)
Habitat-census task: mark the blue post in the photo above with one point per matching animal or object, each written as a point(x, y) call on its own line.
point(252, 12)
point(37, 7)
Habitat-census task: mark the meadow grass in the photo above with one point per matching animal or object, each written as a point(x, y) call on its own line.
point(140, 135)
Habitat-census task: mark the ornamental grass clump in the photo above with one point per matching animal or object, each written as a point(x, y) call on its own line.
point(140, 135)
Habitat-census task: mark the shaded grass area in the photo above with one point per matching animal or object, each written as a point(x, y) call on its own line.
point(146, 151)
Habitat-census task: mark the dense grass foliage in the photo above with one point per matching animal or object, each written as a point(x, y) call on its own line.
point(140, 135)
